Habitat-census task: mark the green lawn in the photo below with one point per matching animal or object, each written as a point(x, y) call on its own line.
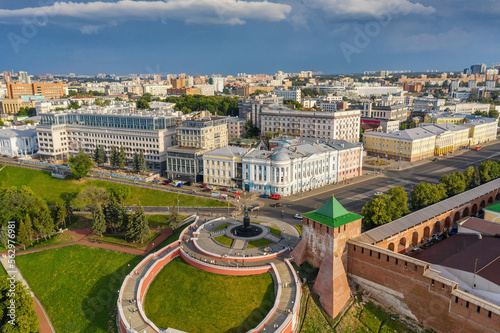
point(161, 220)
point(54, 189)
point(222, 226)
point(78, 285)
point(275, 231)
point(299, 228)
point(224, 240)
point(54, 240)
point(2, 271)
point(120, 240)
point(196, 301)
point(258, 243)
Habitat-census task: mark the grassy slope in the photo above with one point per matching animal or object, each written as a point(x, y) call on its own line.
point(78, 285)
point(195, 301)
point(53, 189)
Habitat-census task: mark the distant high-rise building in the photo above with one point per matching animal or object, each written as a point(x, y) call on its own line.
point(467, 71)
point(219, 84)
point(478, 69)
point(23, 77)
point(7, 76)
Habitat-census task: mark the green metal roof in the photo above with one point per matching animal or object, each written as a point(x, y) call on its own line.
point(332, 214)
point(494, 208)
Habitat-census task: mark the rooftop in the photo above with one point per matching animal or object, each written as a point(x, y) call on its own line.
point(17, 131)
point(228, 151)
point(467, 253)
point(482, 226)
point(332, 214)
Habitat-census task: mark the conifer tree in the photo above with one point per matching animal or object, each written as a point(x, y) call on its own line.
point(99, 224)
point(24, 235)
point(122, 158)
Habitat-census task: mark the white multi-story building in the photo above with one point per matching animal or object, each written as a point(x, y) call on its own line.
point(63, 133)
point(50, 105)
point(466, 108)
point(295, 95)
point(218, 84)
point(223, 166)
point(206, 89)
point(156, 89)
point(339, 125)
point(115, 89)
point(294, 169)
point(18, 141)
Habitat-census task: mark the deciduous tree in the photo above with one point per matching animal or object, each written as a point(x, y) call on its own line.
point(80, 165)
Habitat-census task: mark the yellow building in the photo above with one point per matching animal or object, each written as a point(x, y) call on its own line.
point(481, 130)
point(416, 143)
point(49, 90)
point(444, 118)
point(408, 145)
point(14, 105)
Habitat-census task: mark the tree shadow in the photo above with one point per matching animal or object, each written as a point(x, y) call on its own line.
point(100, 305)
point(258, 314)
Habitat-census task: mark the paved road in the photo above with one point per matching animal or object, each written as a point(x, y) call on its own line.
point(355, 195)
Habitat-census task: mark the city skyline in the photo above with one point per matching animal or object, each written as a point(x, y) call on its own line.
point(230, 37)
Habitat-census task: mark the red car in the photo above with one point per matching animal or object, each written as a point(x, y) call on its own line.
point(275, 196)
point(203, 185)
point(236, 194)
point(165, 183)
point(223, 189)
point(207, 190)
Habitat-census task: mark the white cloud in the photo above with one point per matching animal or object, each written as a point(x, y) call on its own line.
point(359, 9)
point(93, 16)
point(451, 39)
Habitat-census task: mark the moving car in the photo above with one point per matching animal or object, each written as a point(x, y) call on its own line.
point(275, 196)
point(254, 208)
point(265, 196)
point(298, 217)
point(477, 148)
point(203, 185)
point(276, 205)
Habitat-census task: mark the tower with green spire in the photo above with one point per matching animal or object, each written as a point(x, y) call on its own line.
point(325, 233)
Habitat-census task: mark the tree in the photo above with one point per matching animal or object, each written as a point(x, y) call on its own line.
point(296, 104)
point(454, 183)
point(113, 158)
point(146, 97)
point(468, 175)
point(60, 214)
point(99, 224)
point(113, 213)
point(96, 154)
point(26, 318)
point(135, 163)
point(425, 194)
point(141, 162)
point(211, 81)
point(142, 104)
point(80, 165)
point(23, 236)
point(4, 236)
point(253, 132)
point(493, 113)
point(141, 225)
point(174, 219)
point(476, 178)
point(375, 212)
point(92, 197)
point(399, 197)
point(122, 158)
point(102, 158)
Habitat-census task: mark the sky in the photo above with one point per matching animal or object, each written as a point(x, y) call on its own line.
point(246, 36)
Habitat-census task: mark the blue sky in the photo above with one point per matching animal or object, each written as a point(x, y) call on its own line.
point(235, 36)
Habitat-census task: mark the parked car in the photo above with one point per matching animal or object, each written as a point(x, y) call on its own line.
point(129, 210)
point(265, 196)
point(254, 208)
point(276, 205)
point(206, 189)
point(187, 183)
point(223, 189)
point(169, 180)
point(378, 193)
point(298, 217)
point(165, 183)
point(203, 185)
point(211, 187)
point(232, 190)
point(178, 184)
point(155, 181)
point(275, 196)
